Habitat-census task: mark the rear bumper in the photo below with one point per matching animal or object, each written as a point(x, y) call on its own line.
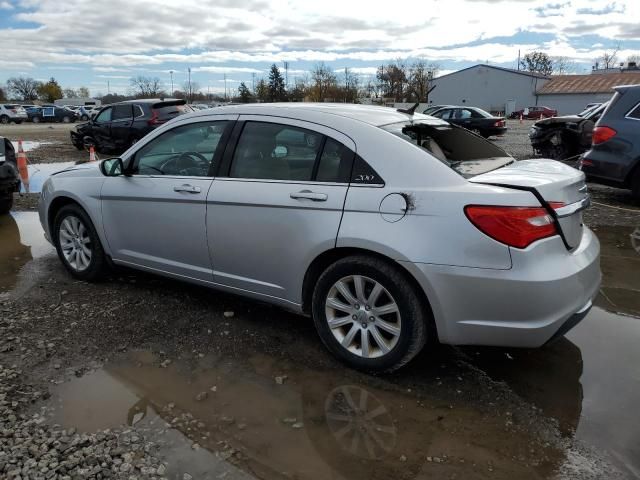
point(541, 296)
point(610, 167)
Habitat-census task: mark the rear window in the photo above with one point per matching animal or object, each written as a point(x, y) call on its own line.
point(465, 152)
point(170, 111)
point(635, 112)
point(11, 106)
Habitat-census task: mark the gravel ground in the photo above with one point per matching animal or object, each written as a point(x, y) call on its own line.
point(56, 147)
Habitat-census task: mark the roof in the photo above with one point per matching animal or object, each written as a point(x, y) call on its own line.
point(372, 115)
point(604, 83)
point(508, 70)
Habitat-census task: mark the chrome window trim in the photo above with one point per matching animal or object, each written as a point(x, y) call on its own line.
point(633, 109)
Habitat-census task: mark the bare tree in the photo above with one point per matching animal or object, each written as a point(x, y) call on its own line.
point(191, 90)
point(83, 92)
point(420, 75)
point(323, 83)
point(562, 65)
point(537, 62)
point(146, 87)
point(633, 59)
point(25, 87)
point(608, 59)
point(351, 86)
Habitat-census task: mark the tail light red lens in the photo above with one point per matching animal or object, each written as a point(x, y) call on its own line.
point(602, 134)
point(499, 123)
point(155, 118)
point(514, 226)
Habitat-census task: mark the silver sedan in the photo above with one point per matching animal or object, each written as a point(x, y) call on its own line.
point(391, 229)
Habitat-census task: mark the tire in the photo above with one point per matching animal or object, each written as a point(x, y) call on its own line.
point(35, 119)
point(84, 118)
point(72, 232)
point(66, 119)
point(6, 204)
point(405, 329)
point(4, 119)
point(635, 185)
point(17, 122)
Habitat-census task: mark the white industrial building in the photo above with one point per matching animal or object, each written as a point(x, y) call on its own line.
point(495, 89)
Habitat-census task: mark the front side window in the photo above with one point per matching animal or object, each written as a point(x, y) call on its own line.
point(104, 116)
point(274, 151)
point(183, 151)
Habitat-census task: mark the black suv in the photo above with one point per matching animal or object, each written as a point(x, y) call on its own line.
point(50, 113)
point(614, 158)
point(118, 126)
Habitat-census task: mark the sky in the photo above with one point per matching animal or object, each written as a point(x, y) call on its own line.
point(101, 44)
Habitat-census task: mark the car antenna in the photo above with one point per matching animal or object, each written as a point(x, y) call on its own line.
point(410, 110)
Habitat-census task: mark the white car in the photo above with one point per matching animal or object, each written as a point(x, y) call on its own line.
point(12, 112)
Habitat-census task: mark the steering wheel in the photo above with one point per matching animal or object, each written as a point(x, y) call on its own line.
point(186, 163)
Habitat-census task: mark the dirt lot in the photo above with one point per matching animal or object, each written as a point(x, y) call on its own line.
point(142, 377)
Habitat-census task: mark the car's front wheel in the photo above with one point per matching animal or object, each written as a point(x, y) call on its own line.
point(369, 315)
point(35, 119)
point(78, 244)
point(6, 203)
point(4, 119)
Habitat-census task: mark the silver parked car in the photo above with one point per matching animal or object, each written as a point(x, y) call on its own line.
point(389, 228)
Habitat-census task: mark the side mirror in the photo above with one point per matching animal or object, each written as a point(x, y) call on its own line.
point(112, 167)
point(280, 151)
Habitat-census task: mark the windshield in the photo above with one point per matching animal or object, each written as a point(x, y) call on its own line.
point(465, 152)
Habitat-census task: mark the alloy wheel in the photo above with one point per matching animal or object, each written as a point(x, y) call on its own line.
point(363, 316)
point(75, 243)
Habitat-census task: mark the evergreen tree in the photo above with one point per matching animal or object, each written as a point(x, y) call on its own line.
point(277, 90)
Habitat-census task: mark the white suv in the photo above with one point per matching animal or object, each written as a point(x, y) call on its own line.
point(12, 113)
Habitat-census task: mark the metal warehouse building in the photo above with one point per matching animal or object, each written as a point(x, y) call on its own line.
point(491, 88)
point(571, 93)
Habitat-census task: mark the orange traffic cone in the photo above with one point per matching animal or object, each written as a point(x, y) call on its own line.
point(92, 154)
point(22, 167)
point(520, 119)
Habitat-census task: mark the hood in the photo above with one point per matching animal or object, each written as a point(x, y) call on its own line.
point(87, 169)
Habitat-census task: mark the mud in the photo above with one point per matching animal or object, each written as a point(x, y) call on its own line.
point(53, 141)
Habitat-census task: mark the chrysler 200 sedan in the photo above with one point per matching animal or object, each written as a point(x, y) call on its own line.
point(391, 229)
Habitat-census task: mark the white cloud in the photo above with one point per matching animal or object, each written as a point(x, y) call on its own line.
point(5, 5)
point(212, 69)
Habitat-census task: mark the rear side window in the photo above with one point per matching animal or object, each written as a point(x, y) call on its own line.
point(635, 112)
point(335, 162)
point(273, 151)
point(121, 112)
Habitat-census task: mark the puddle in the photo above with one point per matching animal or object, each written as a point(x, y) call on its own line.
point(590, 380)
point(29, 145)
point(317, 424)
point(39, 172)
point(21, 240)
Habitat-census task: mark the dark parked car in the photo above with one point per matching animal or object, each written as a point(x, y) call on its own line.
point(614, 157)
point(51, 113)
point(474, 119)
point(9, 177)
point(435, 108)
point(566, 137)
point(534, 113)
point(116, 127)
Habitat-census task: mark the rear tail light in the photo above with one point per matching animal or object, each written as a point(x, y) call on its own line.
point(14, 110)
point(514, 226)
point(499, 123)
point(155, 118)
point(602, 134)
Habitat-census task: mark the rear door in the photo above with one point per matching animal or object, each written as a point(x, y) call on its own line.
point(121, 122)
point(277, 204)
point(154, 217)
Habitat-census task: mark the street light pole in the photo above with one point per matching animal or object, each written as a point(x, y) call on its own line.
point(171, 73)
point(190, 94)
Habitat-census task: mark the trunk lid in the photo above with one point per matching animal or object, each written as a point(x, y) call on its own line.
point(554, 182)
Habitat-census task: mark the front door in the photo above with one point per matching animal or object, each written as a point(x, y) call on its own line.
point(121, 121)
point(101, 129)
point(155, 216)
point(276, 204)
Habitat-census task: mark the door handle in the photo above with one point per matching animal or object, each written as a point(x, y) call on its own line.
point(309, 195)
point(186, 188)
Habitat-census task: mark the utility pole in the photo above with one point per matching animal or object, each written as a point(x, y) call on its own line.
point(171, 73)
point(108, 88)
point(225, 87)
point(253, 81)
point(286, 75)
point(518, 59)
point(190, 93)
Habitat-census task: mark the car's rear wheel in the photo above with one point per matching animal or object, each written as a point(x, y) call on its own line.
point(4, 119)
point(78, 244)
point(35, 119)
point(17, 122)
point(84, 117)
point(66, 119)
point(368, 314)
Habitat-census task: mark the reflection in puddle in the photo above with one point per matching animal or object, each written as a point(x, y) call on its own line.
point(316, 425)
point(39, 172)
point(21, 239)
